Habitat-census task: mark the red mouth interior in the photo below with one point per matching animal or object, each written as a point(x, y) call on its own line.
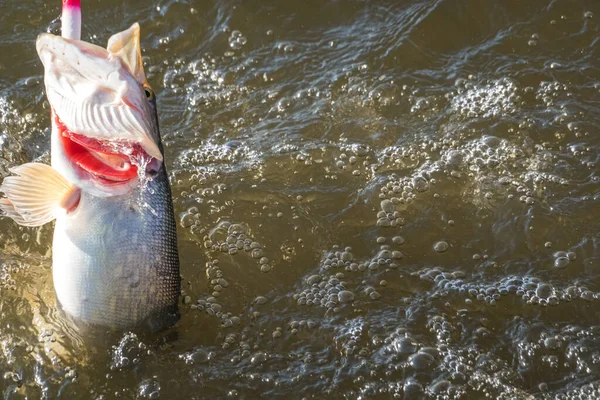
point(98, 158)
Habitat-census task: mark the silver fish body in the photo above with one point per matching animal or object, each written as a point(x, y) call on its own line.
point(115, 260)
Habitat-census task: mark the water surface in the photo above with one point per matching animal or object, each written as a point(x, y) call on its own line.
point(384, 199)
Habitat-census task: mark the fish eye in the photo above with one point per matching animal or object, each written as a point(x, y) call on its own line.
point(149, 93)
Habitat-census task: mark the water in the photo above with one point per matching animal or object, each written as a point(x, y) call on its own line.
point(376, 200)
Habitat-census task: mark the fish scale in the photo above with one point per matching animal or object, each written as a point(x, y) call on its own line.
point(115, 262)
point(116, 258)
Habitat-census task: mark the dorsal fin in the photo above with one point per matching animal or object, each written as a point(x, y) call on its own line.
point(126, 46)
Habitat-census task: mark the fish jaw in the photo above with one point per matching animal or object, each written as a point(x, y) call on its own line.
point(94, 93)
point(104, 125)
point(101, 168)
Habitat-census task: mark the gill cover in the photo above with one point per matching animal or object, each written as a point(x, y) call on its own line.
point(97, 92)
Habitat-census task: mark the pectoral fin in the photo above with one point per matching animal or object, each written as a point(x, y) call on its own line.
point(37, 194)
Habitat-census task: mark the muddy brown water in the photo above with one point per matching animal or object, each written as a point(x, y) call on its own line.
point(376, 199)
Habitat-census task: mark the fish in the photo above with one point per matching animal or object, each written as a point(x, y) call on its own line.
point(115, 260)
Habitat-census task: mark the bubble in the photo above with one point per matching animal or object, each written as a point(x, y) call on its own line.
point(588, 295)
point(360, 149)
point(420, 184)
point(412, 389)
point(544, 290)
point(551, 343)
point(237, 40)
point(398, 240)
point(384, 254)
point(434, 352)
point(384, 222)
point(345, 296)
point(374, 295)
point(561, 262)
point(260, 300)
point(440, 246)
point(387, 206)
point(265, 268)
point(149, 389)
point(489, 99)
point(258, 357)
point(403, 345)
point(129, 350)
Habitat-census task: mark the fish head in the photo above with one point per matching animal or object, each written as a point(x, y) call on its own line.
point(105, 128)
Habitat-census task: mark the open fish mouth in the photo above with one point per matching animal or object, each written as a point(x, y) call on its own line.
point(107, 162)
